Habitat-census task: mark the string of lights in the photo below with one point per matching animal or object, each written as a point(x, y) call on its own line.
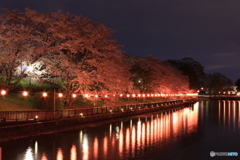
point(60, 95)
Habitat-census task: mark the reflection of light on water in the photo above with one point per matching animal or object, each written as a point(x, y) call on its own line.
point(139, 133)
point(80, 137)
point(110, 130)
point(95, 148)
point(85, 146)
point(234, 113)
point(105, 145)
point(133, 139)
point(44, 157)
point(174, 117)
point(36, 149)
point(143, 134)
point(186, 110)
point(117, 132)
point(127, 139)
point(29, 154)
point(74, 152)
point(224, 112)
point(120, 140)
point(59, 154)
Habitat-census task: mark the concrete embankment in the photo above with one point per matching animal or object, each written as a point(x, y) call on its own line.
point(53, 126)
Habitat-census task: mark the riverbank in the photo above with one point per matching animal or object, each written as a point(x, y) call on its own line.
point(17, 102)
point(52, 126)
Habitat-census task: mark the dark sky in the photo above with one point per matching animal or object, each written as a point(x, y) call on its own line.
point(206, 30)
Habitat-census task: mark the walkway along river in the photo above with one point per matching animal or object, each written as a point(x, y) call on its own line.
point(39, 123)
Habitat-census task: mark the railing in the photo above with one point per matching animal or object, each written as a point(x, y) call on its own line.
point(68, 113)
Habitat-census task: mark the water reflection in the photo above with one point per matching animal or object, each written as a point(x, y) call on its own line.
point(119, 140)
point(59, 154)
point(29, 154)
point(229, 114)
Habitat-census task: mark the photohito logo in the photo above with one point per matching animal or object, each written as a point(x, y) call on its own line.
point(212, 153)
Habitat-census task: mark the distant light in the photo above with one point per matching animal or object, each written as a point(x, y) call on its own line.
point(60, 95)
point(25, 93)
point(128, 95)
point(44, 94)
point(86, 95)
point(74, 95)
point(139, 95)
point(121, 95)
point(192, 94)
point(81, 114)
point(96, 96)
point(133, 95)
point(3, 92)
point(105, 96)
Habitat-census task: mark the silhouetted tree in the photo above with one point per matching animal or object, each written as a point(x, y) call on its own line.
point(192, 69)
point(217, 82)
point(237, 83)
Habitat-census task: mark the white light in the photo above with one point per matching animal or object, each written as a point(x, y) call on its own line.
point(25, 93)
point(3, 92)
point(60, 94)
point(44, 94)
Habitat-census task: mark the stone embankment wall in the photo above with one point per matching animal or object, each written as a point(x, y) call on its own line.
point(52, 126)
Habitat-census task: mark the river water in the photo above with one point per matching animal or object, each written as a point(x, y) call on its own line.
point(188, 133)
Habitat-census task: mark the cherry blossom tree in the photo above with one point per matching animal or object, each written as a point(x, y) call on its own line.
point(18, 41)
point(74, 50)
point(83, 57)
point(153, 75)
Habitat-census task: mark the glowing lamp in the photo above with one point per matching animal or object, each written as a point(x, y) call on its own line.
point(60, 95)
point(3, 92)
point(44, 94)
point(25, 93)
point(74, 95)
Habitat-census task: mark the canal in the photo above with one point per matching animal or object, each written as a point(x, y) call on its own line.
point(188, 133)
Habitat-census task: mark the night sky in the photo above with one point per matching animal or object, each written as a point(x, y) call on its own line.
point(206, 30)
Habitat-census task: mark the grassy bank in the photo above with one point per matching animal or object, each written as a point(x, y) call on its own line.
point(16, 102)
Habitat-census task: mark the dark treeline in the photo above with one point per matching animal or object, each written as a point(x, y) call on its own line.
point(212, 83)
